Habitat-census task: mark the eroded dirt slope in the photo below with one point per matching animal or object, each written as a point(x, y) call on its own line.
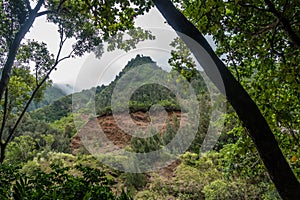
point(108, 131)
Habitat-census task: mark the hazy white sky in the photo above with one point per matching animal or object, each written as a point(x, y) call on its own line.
point(87, 71)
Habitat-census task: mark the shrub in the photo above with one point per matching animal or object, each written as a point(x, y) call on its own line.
point(57, 184)
point(136, 180)
point(238, 189)
point(147, 195)
point(145, 145)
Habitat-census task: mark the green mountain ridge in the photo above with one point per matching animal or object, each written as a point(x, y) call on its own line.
point(58, 105)
point(139, 73)
point(51, 94)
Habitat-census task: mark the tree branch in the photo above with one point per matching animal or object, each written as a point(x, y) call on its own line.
point(280, 54)
point(28, 5)
point(4, 115)
point(268, 27)
point(285, 23)
point(235, 66)
point(13, 49)
point(279, 170)
point(66, 57)
point(253, 6)
point(46, 12)
point(2, 144)
point(57, 61)
point(60, 4)
point(11, 133)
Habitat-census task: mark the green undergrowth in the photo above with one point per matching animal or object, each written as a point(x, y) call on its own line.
point(60, 176)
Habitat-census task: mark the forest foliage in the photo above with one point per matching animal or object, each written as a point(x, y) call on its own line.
point(257, 40)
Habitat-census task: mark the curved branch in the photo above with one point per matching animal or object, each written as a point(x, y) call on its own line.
point(11, 133)
point(46, 12)
point(253, 6)
point(267, 27)
point(279, 170)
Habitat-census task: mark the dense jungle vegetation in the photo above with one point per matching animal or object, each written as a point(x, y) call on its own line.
point(259, 43)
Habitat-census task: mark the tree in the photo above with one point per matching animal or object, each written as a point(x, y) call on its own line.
point(255, 45)
point(89, 22)
point(248, 112)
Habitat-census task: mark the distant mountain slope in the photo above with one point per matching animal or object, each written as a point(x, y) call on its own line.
point(57, 104)
point(146, 94)
point(51, 94)
point(118, 136)
point(136, 74)
point(64, 87)
point(60, 107)
point(54, 111)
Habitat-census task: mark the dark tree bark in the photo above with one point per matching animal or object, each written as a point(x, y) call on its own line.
point(279, 170)
point(7, 68)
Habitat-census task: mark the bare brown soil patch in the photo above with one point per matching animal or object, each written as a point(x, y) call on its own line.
point(112, 137)
point(113, 134)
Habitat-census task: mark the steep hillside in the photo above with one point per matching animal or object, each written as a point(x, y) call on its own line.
point(113, 133)
point(142, 98)
point(51, 94)
point(136, 74)
point(62, 107)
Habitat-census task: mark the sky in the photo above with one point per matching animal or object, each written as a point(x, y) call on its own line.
point(87, 71)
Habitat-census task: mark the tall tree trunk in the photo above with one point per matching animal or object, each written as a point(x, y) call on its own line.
point(13, 49)
point(7, 68)
point(279, 170)
point(2, 152)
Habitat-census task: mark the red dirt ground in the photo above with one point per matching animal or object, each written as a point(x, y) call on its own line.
point(115, 137)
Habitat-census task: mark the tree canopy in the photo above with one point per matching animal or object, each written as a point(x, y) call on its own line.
point(257, 57)
point(89, 23)
point(255, 39)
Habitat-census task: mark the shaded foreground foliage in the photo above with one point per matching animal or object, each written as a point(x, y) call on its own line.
point(57, 184)
point(267, 54)
point(199, 178)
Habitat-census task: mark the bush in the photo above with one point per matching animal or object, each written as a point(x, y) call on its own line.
point(222, 190)
point(136, 180)
point(147, 195)
point(21, 149)
point(238, 189)
point(57, 184)
point(186, 185)
point(7, 176)
point(149, 144)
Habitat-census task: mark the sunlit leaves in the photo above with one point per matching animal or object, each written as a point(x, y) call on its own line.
point(21, 149)
point(181, 59)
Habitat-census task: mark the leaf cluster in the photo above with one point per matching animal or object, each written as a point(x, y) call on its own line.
point(59, 184)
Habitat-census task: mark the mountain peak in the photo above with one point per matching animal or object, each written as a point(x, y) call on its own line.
point(139, 60)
